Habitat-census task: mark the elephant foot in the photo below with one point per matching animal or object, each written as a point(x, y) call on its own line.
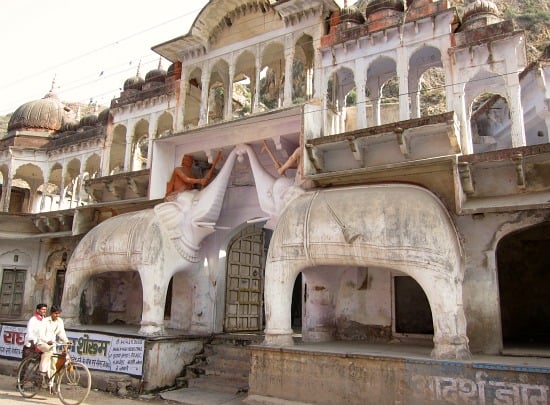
point(151, 330)
point(450, 351)
point(278, 339)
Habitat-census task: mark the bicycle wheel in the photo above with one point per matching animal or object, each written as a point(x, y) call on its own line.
point(74, 383)
point(28, 378)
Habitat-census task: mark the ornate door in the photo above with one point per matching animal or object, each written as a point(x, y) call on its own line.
point(245, 281)
point(11, 292)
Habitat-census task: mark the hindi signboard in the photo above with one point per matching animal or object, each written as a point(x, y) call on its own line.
point(99, 351)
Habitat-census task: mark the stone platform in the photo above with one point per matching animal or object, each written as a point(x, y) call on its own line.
point(356, 373)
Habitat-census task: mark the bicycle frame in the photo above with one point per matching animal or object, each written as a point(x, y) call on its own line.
point(71, 380)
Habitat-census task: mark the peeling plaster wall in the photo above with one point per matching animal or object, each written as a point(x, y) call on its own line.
point(164, 361)
point(364, 306)
point(34, 256)
point(481, 234)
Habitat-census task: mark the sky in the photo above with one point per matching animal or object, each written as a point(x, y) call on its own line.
point(85, 49)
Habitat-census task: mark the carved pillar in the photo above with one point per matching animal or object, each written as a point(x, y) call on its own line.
point(153, 128)
point(403, 75)
point(289, 62)
point(465, 129)
point(205, 92)
point(131, 127)
point(361, 101)
point(513, 90)
point(414, 84)
point(317, 79)
point(43, 197)
point(376, 107)
point(180, 104)
point(228, 95)
point(256, 90)
point(62, 190)
point(6, 192)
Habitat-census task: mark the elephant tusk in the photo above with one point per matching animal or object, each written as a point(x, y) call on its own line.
point(257, 219)
point(205, 224)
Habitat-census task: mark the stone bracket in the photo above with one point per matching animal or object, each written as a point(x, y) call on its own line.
point(520, 170)
point(315, 156)
point(355, 149)
point(403, 141)
point(466, 179)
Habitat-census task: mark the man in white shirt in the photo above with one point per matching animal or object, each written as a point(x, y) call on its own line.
point(51, 328)
point(33, 329)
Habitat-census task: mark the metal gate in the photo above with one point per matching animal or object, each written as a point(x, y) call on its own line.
point(245, 281)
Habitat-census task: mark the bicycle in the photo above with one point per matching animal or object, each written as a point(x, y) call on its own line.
point(71, 381)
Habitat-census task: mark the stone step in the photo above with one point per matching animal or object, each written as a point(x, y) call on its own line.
point(227, 351)
point(232, 385)
point(217, 371)
point(228, 363)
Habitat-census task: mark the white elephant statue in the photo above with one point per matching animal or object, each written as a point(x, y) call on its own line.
point(393, 226)
point(157, 243)
point(274, 193)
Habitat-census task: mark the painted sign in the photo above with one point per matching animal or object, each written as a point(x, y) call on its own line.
point(119, 354)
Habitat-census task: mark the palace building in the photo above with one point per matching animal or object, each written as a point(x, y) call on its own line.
point(376, 230)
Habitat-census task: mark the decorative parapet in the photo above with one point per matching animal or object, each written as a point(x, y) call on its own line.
point(120, 186)
point(396, 143)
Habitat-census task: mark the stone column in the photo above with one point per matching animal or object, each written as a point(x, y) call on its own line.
point(361, 102)
point(256, 90)
point(131, 127)
point(289, 61)
point(6, 192)
point(403, 75)
point(228, 95)
point(153, 128)
point(513, 91)
point(180, 104)
point(205, 92)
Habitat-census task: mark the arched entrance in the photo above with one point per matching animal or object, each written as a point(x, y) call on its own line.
point(524, 281)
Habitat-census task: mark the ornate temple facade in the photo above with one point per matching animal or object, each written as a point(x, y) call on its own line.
point(385, 180)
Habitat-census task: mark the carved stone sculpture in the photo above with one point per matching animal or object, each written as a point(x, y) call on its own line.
point(156, 243)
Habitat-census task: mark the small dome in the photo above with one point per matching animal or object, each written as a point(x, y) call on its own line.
point(155, 75)
point(70, 126)
point(171, 70)
point(47, 113)
point(133, 83)
point(351, 14)
point(480, 13)
point(88, 120)
point(377, 5)
point(103, 116)
point(174, 70)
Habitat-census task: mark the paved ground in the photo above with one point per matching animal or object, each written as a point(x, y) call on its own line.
point(9, 394)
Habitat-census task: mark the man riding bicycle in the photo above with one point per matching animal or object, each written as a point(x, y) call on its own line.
point(50, 329)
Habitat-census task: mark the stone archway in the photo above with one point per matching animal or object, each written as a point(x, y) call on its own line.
point(391, 226)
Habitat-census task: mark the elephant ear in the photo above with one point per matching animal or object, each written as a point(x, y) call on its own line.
point(170, 215)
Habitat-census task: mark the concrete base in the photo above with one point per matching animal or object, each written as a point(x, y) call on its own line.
point(354, 373)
